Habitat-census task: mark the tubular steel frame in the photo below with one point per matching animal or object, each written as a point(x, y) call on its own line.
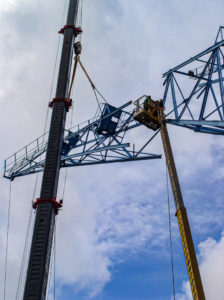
point(205, 90)
point(83, 145)
point(197, 104)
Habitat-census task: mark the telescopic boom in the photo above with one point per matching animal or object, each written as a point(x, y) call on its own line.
point(152, 116)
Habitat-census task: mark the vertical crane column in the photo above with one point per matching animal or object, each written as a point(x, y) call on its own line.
point(40, 253)
point(184, 227)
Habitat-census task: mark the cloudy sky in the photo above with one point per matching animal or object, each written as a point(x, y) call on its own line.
point(112, 237)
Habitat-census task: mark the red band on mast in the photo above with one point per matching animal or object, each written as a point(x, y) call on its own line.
point(68, 102)
point(77, 30)
point(57, 205)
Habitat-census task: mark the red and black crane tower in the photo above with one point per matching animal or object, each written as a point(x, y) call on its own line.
point(46, 205)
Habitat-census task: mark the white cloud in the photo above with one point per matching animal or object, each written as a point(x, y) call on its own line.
point(211, 269)
point(8, 5)
point(108, 228)
point(187, 292)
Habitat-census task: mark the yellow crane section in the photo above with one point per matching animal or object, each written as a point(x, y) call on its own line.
point(151, 114)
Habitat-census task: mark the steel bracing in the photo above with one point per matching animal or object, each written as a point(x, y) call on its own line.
point(197, 103)
point(99, 140)
point(193, 97)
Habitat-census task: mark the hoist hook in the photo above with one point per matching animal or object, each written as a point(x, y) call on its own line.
point(78, 48)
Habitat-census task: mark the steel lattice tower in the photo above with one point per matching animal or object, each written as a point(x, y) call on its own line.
point(39, 261)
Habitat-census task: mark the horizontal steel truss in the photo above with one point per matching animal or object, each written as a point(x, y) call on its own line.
point(197, 103)
point(83, 145)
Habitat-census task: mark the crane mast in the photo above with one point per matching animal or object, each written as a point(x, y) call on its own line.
point(152, 116)
point(47, 206)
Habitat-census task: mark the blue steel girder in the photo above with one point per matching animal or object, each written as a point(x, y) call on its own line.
point(220, 34)
point(213, 127)
point(100, 140)
point(197, 103)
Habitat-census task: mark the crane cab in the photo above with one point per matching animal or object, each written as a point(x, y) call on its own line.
point(146, 113)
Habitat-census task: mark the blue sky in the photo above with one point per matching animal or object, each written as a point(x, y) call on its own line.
point(112, 235)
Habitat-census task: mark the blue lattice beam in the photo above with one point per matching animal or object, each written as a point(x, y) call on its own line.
point(100, 140)
point(194, 90)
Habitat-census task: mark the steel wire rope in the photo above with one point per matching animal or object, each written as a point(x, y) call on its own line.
point(91, 82)
point(71, 121)
point(72, 113)
point(49, 279)
point(53, 75)
point(51, 267)
point(51, 90)
point(94, 90)
point(36, 180)
point(55, 232)
point(27, 240)
point(21, 279)
point(170, 235)
point(77, 59)
point(81, 14)
point(80, 19)
point(73, 75)
point(101, 95)
point(66, 170)
point(7, 239)
point(54, 72)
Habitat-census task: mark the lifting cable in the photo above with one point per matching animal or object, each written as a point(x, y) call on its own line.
point(52, 267)
point(28, 231)
point(73, 76)
point(170, 233)
point(80, 19)
point(55, 231)
point(54, 72)
point(7, 239)
point(91, 82)
point(95, 90)
point(24, 258)
point(77, 60)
